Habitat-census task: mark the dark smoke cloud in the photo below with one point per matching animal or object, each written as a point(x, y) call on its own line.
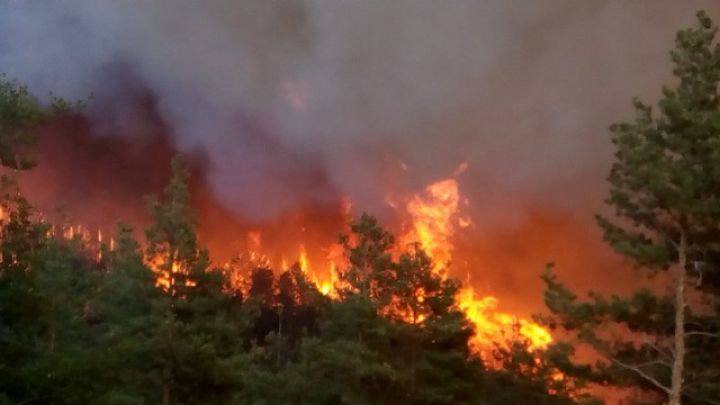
point(300, 102)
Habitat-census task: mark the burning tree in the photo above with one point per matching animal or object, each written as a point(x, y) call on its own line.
point(393, 334)
point(131, 323)
point(665, 188)
point(200, 323)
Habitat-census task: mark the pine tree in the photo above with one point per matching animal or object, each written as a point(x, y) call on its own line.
point(127, 302)
point(68, 347)
point(200, 345)
point(664, 186)
point(21, 238)
point(395, 334)
point(50, 348)
point(46, 282)
point(19, 111)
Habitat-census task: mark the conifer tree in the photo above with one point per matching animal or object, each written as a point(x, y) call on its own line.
point(665, 189)
point(127, 301)
point(45, 281)
point(21, 238)
point(395, 334)
point(19, 111)
point(200, 345)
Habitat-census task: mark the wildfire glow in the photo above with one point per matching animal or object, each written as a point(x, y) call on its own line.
point(434, 220)
point(492, 325)
point(303, 259)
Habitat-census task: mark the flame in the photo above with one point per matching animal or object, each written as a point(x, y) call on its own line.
point(163, 279)
point(303, 259)
point(323, 281)
point(435, 218)
point(492, 325)
point(327, 287)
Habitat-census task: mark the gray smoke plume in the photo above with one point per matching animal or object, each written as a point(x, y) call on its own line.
point(305, 101)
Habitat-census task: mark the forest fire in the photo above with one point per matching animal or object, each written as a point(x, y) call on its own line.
point(430, 218)
point(346, 207)
point(434, 216)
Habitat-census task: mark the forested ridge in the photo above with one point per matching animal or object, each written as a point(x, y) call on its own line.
point(149, 319)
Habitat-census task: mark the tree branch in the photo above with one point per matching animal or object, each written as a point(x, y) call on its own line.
point(714, 335)
point(660, 351)
point(642, 374)
point(650, 363)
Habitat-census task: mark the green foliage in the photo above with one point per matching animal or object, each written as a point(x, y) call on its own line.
point(381, 341)
point(20, 112)
point(665, 188)
point(46, 314)
point(172, 242)
point(157, 323)
point(633, 333)
point(127, 303)
point(20, 305)
point(665, 176)
point(102, 331)
point(198, 338)
point(535, 376)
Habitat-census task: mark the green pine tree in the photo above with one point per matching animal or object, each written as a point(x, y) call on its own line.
point(200, 348)
point(128, 306)
point(665, 189)
point(19, 111)
point(21, 238)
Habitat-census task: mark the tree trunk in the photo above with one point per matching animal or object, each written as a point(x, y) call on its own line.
point(679, 344)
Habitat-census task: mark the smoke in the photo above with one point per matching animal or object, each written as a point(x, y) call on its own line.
point(303, 102)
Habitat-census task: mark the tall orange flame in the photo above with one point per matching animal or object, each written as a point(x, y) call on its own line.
point(433, 221)
point(435, 217)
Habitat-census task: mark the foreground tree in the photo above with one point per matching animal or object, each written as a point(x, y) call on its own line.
point(46, 282)
point(665, 188)
point(200, 349)
point(127, 303)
